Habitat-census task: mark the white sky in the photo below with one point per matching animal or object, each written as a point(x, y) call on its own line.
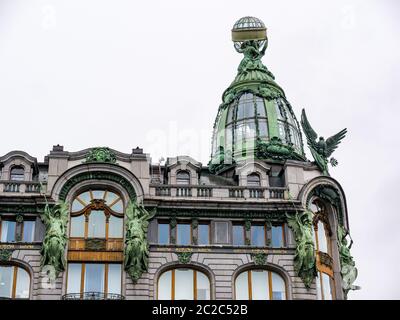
point(151, 73)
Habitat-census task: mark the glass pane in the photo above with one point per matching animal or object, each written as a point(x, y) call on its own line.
point(8, 231)
point(97, 224)
point(29, 231)
point(110, 197)
point(253, 180)
point(183, 234)
point(228, 137)
point(163, 233)
point(238, 235)
point(74, 278)
point(229, 119)
point(183, 284)
point(164, 286)
point(260, 107)
point(257, 236)
point(183, 177)
point(259, 284)
point(318, 286)
point(115, 227)
point(17, 174)
point(204, 234)
point(94, 277)
point(322, 240)
point(263, 128)
point(114, 278)
point(250, 129)
point(98, 194)
point(277, 236)
point(249, 109)
point(242, 286)
point(6, 281)
point(77, 206)
point(78, 226)
point(118, 206)
point(85, 197)
point(203, 286)
point(327, 286)
point(23, 283)
point(278, 287)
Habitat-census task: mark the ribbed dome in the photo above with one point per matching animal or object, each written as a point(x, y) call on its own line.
point(254, 120)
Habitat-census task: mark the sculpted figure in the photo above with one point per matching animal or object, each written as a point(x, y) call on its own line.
point(252, 56)
point(304, 259)
point(53, 247)
point(322, 149)
point(348, 270)
point(136, 246)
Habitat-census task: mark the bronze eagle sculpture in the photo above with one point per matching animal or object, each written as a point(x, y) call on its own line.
point(322, 149)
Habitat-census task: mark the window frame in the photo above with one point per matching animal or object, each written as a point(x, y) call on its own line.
point(284, 242)
point(19, 230)
point(18, 167)
point(250, 287)
point(180, 180)
point(15, 280)
point(163, 222)
point(173, 287)
point(239, 224)
point(255, 224)
point(203, 223)
point(176, 233)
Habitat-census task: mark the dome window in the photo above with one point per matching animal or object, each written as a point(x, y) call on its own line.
point(183, 178)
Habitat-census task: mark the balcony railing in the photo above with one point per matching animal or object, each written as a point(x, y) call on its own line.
point(208, 192)
point(20, 187)
point(93, 296)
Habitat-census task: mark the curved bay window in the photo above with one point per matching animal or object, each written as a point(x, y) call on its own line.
point(260, 285)
point(288, 129)
point(322, 234)
point(183, 284)
point(246, 120)
point(95, 251)
point(17, 173)
point(15, 282)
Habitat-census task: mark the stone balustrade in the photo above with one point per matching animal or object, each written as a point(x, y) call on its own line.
point(20, 187)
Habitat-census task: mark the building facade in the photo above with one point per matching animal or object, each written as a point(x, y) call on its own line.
point(259, 221)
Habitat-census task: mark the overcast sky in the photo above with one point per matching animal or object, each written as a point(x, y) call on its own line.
point(151, 73)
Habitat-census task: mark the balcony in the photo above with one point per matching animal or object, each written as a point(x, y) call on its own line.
point(20, 187)
point(219, 192)
point(93, 296)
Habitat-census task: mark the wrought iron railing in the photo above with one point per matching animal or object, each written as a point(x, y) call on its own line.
point(93, 296)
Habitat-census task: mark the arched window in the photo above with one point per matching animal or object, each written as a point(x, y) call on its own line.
point(97, 214)
point(322, 235)
point(14, 282)
point(259, 284)
point(183, 178)
point(253, 180)
point(183, 284)
point(17, 173)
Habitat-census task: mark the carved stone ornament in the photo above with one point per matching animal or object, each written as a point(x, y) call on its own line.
point(184, 257)
point(101, 154)
point(95, 244)
point(259, 258)
point(5, 255)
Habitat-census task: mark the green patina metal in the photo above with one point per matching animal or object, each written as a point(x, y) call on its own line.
point(97, 175)
point(259, 258)
point(304, 259)
point(330, 194)
point(322, 149)
point(101, 154)
point(276, 150)
point(136, 250)
point(55, 219)
point(184, 257)
point(5, 255)
point(348, 269)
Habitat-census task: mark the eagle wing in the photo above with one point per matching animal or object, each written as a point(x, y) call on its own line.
point(333, 142)
point(309, 132)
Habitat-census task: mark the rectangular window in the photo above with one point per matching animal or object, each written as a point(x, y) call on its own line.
point(204, 234)
point(183, 234)
point(74, 278)
point(78, 226)
point(115, 227)
point(29, 231)
point(97, 224)
point(277, 236)
point(221, 232)
point(114, 278)
point(184, 281)
point(257, 235)
point(8, 231)
point(94, 277)
point(238, 235)
point(163, 233)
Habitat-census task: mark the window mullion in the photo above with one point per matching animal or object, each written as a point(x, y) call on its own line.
point(249, 285)
point(270, 284)
point(14, 284)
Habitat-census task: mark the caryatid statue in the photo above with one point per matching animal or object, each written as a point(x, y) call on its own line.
point(54, 243)
point(136, 245)
point(304, 259)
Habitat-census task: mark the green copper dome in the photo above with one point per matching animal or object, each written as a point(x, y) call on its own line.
point(254, 120)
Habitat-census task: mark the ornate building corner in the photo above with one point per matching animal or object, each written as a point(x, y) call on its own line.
point(136, 251)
